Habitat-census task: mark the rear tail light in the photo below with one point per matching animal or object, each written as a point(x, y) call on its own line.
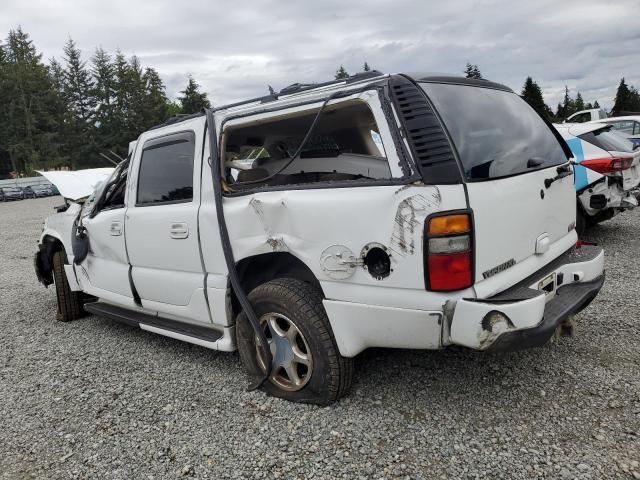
point(608, 165)
point(449, 252)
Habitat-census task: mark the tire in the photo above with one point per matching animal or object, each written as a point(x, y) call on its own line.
point(582, 223)
point(70, 305)
point(328, 375)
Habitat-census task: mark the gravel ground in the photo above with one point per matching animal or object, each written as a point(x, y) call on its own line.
point(96, 399)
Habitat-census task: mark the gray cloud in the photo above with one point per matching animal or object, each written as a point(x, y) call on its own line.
point(234, 49)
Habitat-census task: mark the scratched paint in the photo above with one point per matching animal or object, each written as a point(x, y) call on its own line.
point(409, 217)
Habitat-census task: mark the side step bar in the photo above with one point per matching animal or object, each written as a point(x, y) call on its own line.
point(164, 326)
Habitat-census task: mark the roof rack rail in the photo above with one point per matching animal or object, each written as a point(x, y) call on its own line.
point(180, 117)
point(302, 87)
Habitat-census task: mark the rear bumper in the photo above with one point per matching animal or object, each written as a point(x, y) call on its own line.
point(524, 316)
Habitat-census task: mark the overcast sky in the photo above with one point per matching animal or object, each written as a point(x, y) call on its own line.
point(234, 48)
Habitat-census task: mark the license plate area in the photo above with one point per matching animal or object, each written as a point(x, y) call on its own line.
point(548, 284)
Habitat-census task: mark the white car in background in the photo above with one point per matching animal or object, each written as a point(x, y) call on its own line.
point(628, 125)
point(591, 115)
point(607, 171)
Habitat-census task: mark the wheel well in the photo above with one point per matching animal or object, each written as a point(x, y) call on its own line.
point(44, 260)
point(259, 269)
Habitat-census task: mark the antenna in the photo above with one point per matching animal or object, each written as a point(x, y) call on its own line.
point(108, 159)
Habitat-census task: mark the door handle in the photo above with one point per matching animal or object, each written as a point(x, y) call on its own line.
point(115, 228)
point(179, 230)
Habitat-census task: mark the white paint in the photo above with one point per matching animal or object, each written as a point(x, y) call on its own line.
point(359, 326)
point(77, 184)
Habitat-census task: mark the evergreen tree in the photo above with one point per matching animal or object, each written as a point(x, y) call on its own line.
point(78, 92)
point(104, 91)
point(567, 108)
point(532, 93)
point(622, 100)
point(28, 133)
point(472, 71)
point(578, 103)
point(366, 67)
point(596, 104)
point(341, 73)
point(627, 99)
point(156, 104)
point(192, 100)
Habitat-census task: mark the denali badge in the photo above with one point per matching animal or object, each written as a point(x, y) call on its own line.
point(500, 268)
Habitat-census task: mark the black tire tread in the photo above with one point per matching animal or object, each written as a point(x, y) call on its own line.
point(307, 300)
point(70, 304)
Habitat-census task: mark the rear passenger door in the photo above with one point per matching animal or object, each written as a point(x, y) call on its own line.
point(162, 226)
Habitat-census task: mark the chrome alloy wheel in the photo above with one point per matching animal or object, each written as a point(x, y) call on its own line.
point(292, 361)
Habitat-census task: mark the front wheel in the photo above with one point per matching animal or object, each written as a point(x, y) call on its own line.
point(307, 366)
point(70, 304)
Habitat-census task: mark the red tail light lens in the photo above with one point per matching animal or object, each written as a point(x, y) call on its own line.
point(608, 165)
point(449, 252)
point(450, 272)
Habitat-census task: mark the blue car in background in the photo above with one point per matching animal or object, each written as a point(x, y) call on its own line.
point(607, 171)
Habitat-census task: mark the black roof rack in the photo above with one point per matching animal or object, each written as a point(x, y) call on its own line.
point(180, 117)
point(293, 88)
point(301, 87)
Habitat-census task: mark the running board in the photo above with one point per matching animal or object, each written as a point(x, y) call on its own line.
point(164, 326)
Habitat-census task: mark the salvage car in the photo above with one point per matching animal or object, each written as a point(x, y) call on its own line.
point(607, 172)
point(303, 227)
point(628, 125)
point(36, 191)
point(11, 193)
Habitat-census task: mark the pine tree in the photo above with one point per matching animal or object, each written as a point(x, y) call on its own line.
point(156, 104)
point(472, 71)
point(104, 86)
point(567, 108)
point(192, 100)
point(578, 103)
point(366, 67)
point(627, 99)
point(596, 104)
point(28, 130)
point(532, 93)
point(341, 73)
point(621, 102)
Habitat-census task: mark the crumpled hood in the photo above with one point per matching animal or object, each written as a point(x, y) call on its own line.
point(77, 184)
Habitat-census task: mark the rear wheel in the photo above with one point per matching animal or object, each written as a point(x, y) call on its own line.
point(307, 366)
point(70, 305)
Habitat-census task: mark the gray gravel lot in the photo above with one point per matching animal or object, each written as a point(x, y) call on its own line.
point(96, 399)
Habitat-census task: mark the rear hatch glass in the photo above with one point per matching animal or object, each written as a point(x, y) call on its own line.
point(496, 133)
point(508, 153)
point(608, 140)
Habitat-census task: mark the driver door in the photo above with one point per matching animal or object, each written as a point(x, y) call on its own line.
point(105, 271)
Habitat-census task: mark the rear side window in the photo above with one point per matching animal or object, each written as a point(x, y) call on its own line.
point(495, 132)
point(166, 170)
point(609, 140)
point(582, 118)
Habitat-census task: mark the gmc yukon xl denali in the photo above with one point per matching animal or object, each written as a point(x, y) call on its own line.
point(300, 228)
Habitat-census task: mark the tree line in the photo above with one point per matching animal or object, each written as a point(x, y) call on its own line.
point(627, 98)
point(67, 112)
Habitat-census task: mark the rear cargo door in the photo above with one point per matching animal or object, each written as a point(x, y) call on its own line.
point(518, 180)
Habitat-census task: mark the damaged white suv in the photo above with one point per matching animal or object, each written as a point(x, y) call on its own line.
point(401, 211)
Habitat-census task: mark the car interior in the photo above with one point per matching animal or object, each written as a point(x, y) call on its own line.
point(344, 145)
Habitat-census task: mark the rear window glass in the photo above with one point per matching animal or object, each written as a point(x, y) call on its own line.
point(608, 139)
point(495, 132)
